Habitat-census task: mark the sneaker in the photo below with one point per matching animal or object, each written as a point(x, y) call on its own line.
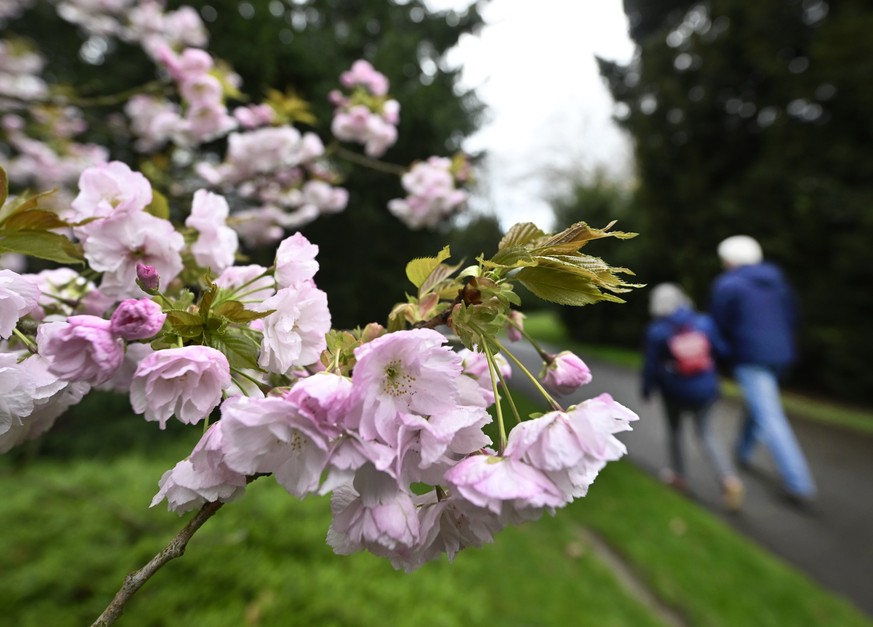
point(732, 494)
point(673, 480)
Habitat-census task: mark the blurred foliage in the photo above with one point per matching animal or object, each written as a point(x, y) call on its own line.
point(303, 46)
point(754, 118)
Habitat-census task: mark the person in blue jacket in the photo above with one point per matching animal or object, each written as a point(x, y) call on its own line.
point(686, 387)
point(754, 308)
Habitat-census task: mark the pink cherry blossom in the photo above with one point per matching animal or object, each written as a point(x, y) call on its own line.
point(565, 373)
point(323, 399)
point(295, 260)
point(407, 371)
point(269, 435)
point(137, 319)
point(18, 297)
point(116, 245)
point(475, 366)
point(217, 243)
point(80, 349)
point(183, 381)
point(110, 188)
point(447, 526)
point(494, 482)
point(373, 514)
point(363, 73)
point(431, 194)
point(514, 326)
point(31, 398)
point(186, 487)
point(294, 334)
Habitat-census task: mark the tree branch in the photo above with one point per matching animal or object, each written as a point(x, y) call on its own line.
point(135, 580)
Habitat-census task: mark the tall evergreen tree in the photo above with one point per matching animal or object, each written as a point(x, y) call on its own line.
point(754, 118)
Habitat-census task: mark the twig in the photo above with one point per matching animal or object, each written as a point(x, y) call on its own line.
point(135, 580)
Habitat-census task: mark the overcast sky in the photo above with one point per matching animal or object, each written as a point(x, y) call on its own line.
point(533, 65)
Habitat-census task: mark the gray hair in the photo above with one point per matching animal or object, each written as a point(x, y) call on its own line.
point(740, 250)
point(666, 298)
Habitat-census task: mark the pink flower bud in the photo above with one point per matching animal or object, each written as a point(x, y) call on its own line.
point(148, 277)
point(136, 319)
point(565, 373)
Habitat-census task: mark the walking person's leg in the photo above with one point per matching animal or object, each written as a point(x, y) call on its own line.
point(673, 412)
point(761, 388)
point(732, 487)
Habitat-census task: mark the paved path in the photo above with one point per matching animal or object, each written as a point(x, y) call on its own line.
point(832, 544)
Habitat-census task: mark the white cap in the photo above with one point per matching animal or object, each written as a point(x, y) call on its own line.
point(740, 250)
point(666, 298)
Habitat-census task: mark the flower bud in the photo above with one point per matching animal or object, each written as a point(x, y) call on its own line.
point(565, 373)
point(147, 277)
point(136, 319)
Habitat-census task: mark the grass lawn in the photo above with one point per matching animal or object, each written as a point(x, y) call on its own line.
point(74, 527)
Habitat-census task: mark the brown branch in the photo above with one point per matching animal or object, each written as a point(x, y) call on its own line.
point(367, 162)
point(135, 580)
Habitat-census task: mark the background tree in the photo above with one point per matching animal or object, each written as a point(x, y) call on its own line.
point(753, 118)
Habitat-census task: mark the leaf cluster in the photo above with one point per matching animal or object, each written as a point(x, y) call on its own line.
point(27, 228)
point(476, 301)
point(214, 320)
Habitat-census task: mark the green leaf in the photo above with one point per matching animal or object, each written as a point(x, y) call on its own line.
point(238, 345)
point(159, 207)
point(207, 299)
point(562, 287)
point(437, 275)
point(41, 244)
point(521, 235)
point(512, 257)
point(235, 311)
point(33, 219)
point(26, 204)
point(419, 269)
point(574, 237)
point(184, 323)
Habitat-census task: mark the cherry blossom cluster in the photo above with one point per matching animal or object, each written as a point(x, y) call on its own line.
point(394, 428)
point(432, 191)
point(365, 114)
point(145, 22)
point(277, 178)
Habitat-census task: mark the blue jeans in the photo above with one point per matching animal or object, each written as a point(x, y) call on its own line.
point(766, 422)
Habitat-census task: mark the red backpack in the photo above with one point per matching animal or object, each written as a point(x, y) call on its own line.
point(690, 350)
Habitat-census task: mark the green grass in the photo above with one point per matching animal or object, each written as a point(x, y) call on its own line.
point(74, 527)
point(71, 533)
point(547, 327)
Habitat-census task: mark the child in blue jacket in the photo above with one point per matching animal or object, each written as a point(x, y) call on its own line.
point(680, 348)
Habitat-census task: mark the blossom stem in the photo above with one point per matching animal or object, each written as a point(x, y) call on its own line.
point(505, 386)
point(242, 374)
point(497, 405)
point(544, 355)
point(367, 162)
point(236, 290)
point(534, 380)
point(25, 340)
point(135, 580)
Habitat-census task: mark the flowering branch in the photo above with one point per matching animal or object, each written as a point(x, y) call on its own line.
point(135, 580)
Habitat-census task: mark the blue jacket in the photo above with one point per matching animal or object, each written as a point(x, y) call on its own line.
point(754, 309)
point(658, 373)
